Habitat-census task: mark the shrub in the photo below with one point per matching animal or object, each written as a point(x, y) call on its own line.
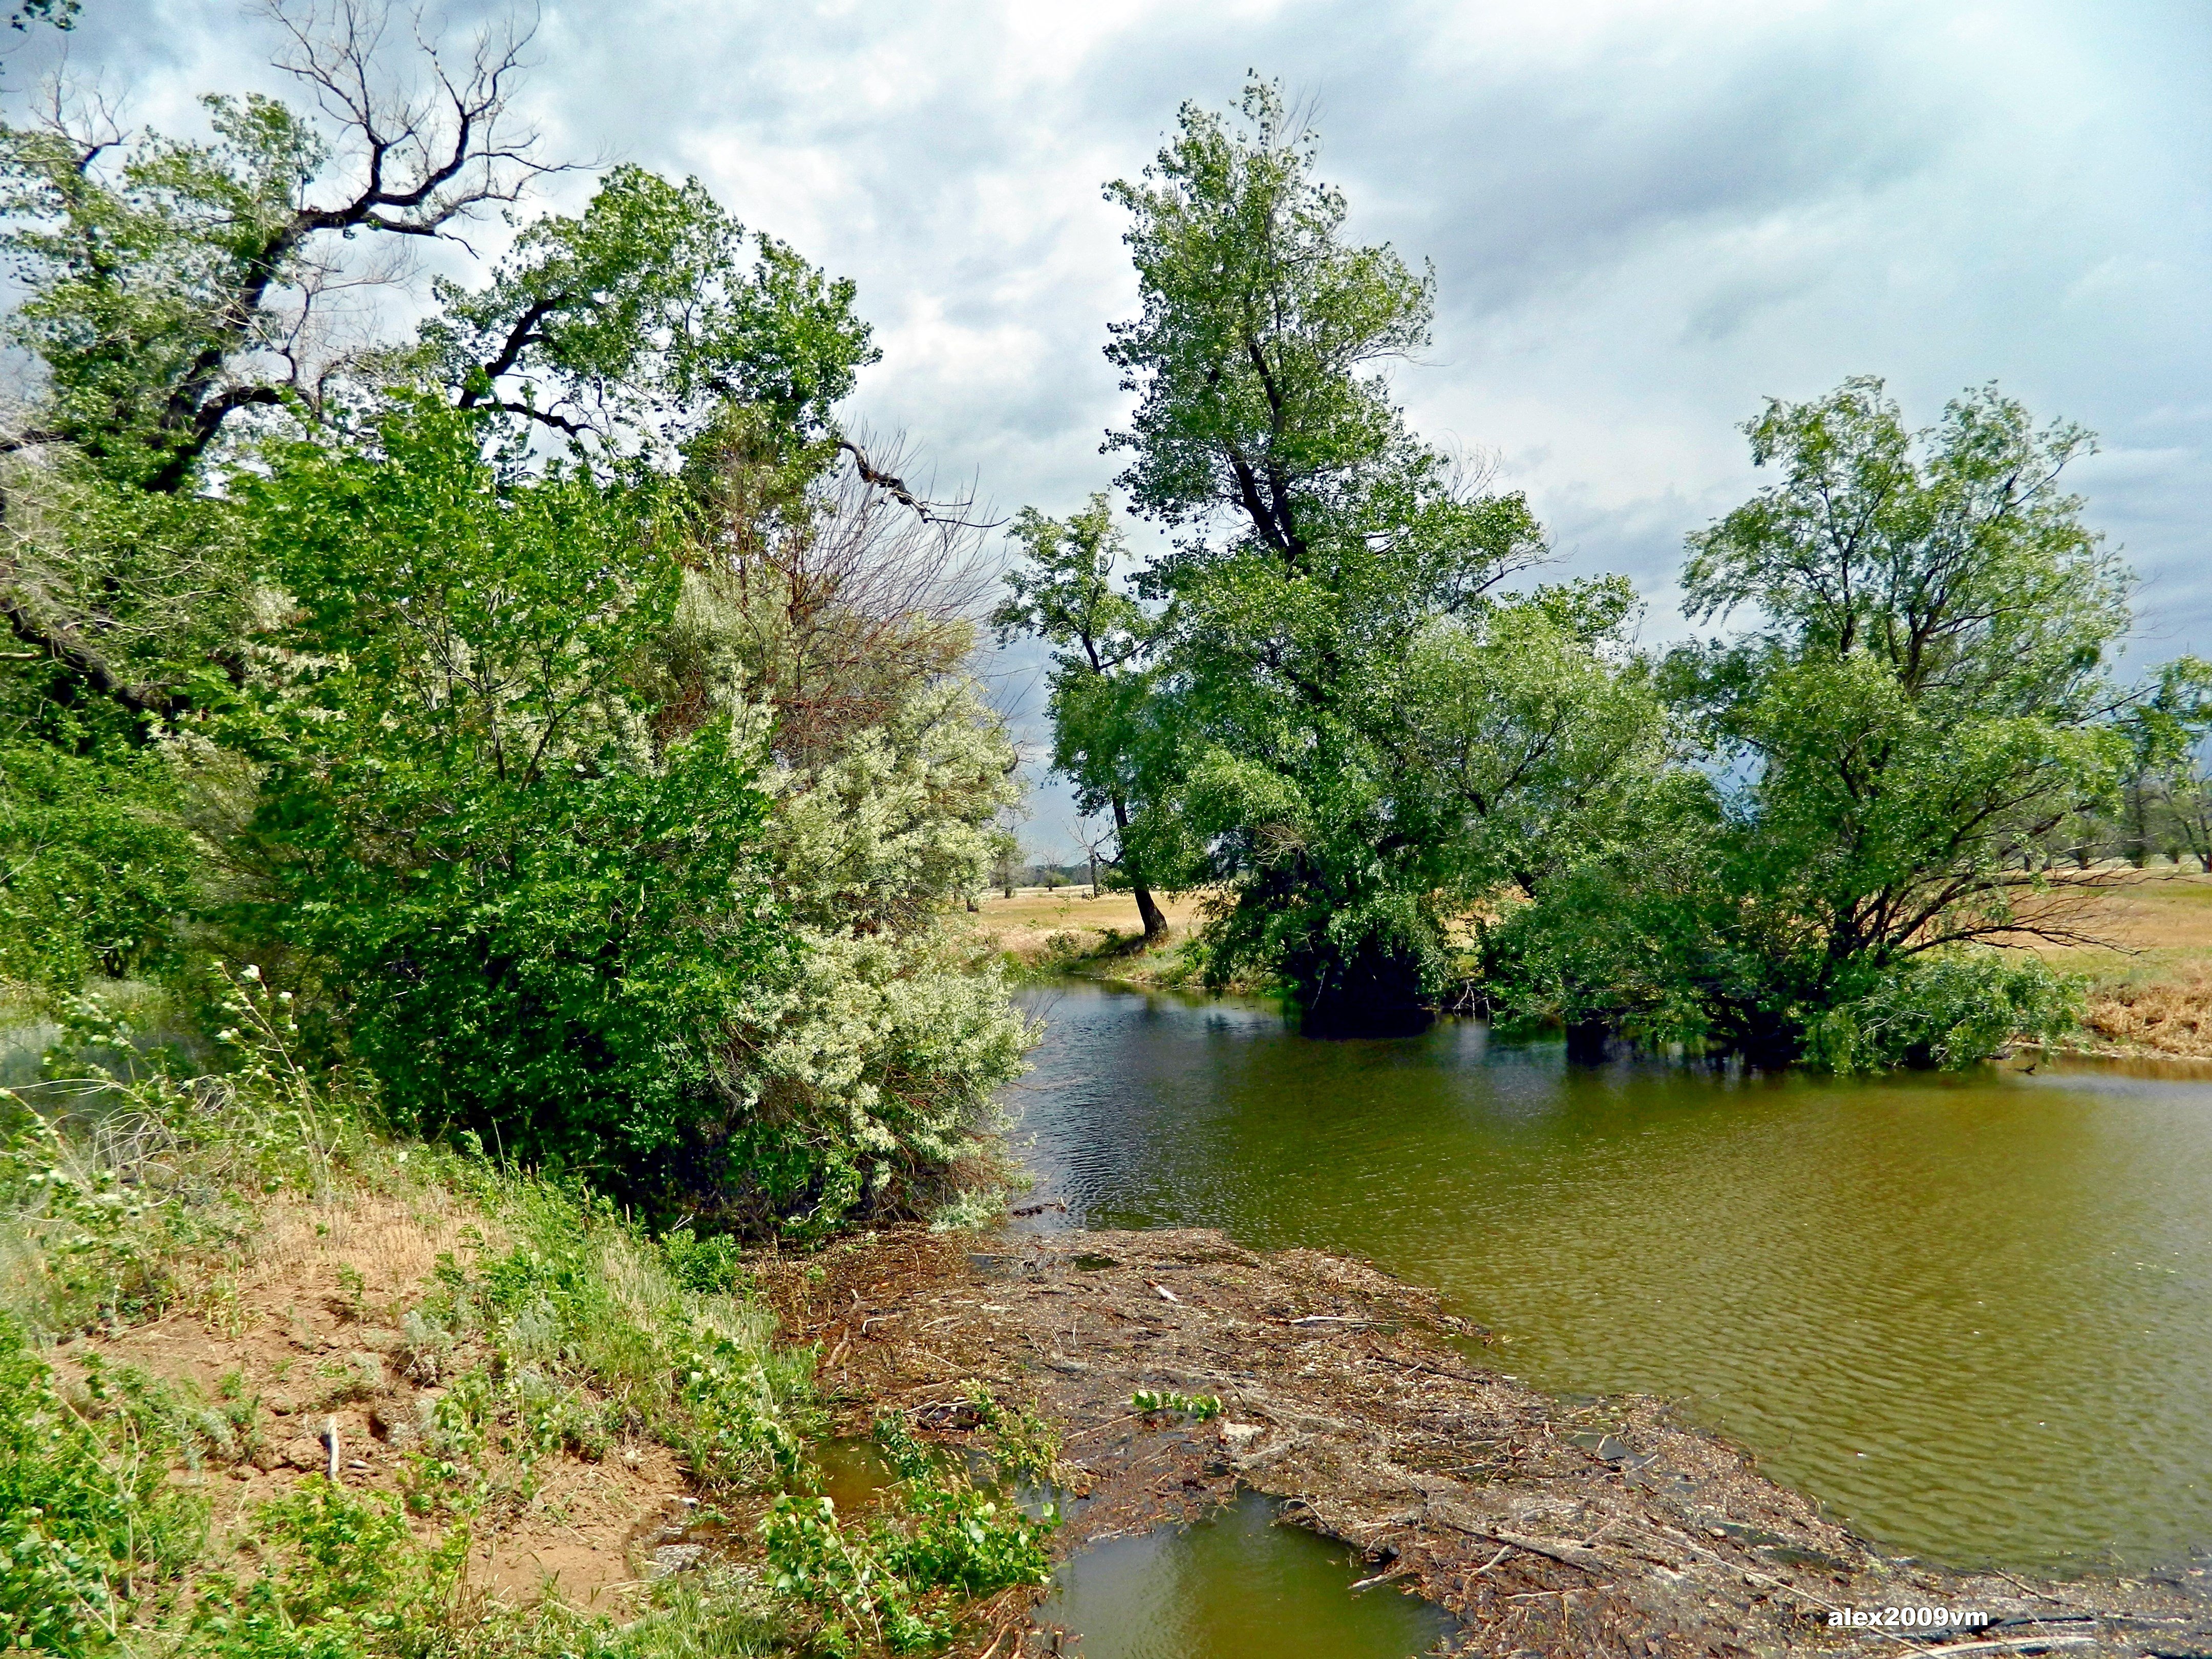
point(342, 1579)
point(1945, 1010)
point(88, 1523)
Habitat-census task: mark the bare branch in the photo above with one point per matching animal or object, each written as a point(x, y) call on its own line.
point(897, 488)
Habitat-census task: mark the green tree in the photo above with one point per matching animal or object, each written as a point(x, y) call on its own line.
point(538, 893)
point(1925, 693)
point(1105, 740)
point(1320, 541)
point(641, 319)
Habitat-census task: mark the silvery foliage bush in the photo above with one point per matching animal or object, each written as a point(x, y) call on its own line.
point(864, 1065)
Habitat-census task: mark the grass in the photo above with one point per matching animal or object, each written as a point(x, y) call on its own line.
point(2150, 984)
point(212, 1288)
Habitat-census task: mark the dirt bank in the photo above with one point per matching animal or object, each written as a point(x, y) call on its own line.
point(1605, 1529)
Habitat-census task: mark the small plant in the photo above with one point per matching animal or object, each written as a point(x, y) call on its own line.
point(342, 1576)
point(1197, 1407)
point(971, 1208)
point(710, 1265)
point(1022, 1442)
point(350, 1303)
point(947, 1539)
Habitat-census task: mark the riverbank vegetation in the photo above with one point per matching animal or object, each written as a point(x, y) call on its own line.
point(1404, 774)
point(280, 1383)
point(554, 702)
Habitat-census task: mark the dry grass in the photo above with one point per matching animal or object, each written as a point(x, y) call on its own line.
point(2169, 1015)
point(1027, 925)
point(2150, 990)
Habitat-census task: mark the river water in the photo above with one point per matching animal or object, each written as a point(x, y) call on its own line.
point(1973, 1314)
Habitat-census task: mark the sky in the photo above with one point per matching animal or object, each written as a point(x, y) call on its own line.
point(1645, 217)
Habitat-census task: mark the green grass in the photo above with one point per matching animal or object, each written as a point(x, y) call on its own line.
point(561, 1330)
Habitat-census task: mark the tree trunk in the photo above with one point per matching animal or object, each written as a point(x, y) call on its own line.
point(1156, 922)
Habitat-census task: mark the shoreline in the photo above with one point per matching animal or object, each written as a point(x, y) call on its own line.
point(1547, 1528)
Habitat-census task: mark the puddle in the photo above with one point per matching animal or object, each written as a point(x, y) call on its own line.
point(852, 1473)
point(1235, 1587)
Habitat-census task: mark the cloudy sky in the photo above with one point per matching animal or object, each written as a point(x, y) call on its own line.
point(1645, 216)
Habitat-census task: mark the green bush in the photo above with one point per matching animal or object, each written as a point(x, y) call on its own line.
point(896, 1582)
point(94, 869)
point(342, 1577)
point(535, 884)
point(1945, 1010)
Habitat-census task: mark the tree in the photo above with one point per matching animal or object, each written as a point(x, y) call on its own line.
point(174, 288)
point(1924, 694)
point(1104, 740)
point(186, 284)
point(534, 892)
point(639, 318)
point(1320, 541)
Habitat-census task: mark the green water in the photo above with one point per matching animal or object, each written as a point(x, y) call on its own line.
point(1233, 1587)
point(1971, 1315)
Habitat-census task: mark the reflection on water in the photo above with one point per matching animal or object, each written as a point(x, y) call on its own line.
point(1235, 1587)
point(1973, 1314)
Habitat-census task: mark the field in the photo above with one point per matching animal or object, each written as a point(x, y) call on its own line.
point(2151, 985)
point(1038, 926)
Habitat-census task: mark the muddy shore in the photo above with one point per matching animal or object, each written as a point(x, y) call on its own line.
point(1548, 1527)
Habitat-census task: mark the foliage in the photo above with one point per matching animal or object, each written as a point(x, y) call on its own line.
point(1254, 361)
point(1926, 692)
point(342, 1578)
point(93, 871)
point(595, 1331)
point(538, 895)
point(859, 1070)
point(638, 319)
point(1107, 739)
point(96, 1222)
point(1923, 697)
point(89, 1524)
point(1200, 1407)
point(136, 276)
point(1946, 1011)
point(1315, 706)
point(890, 1585)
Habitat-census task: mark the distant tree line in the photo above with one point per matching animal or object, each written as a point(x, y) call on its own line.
point(1405, 773)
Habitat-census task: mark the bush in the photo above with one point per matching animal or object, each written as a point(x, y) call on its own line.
point(533, 877)
point(889, 1585)
point(1946, 1011)
point(92, 871)
point(342, 1578)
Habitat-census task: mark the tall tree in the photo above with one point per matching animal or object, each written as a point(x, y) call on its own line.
point(1319, 540)
point(1924, 694)
point(174, 284)
point(1069, 592)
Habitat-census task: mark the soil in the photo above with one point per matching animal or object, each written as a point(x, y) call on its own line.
point(304, 1327)
point(1549, 1528)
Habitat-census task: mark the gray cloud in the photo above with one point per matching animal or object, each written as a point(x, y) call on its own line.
point(1644, 216)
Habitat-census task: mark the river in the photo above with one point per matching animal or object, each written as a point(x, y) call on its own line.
point(1971, 1314)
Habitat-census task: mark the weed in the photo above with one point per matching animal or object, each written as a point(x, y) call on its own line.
point(1197, 1407)
point(970, 1208)
point(89, 1525)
